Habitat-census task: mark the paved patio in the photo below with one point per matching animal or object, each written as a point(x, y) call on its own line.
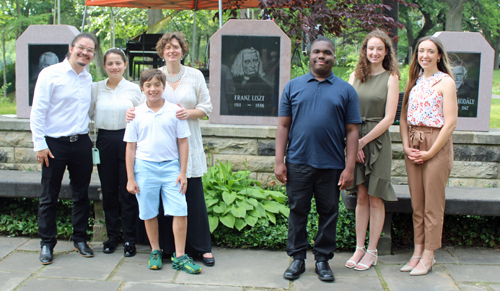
point(457, 268)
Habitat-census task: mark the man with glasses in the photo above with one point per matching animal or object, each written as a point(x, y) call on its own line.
point(59, 125)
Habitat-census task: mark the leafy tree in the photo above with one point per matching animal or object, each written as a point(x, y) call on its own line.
point(320, 17)
point(427, 18)
point(483, 16)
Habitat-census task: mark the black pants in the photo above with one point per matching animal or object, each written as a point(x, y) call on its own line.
point(198, 238)
point(77, 156)
point(302, 182)
point(117, 201)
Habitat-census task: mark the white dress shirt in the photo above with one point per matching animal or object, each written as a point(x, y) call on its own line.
point(111, 105)
point(192, 93)
point(61, 103)
point(156, 133)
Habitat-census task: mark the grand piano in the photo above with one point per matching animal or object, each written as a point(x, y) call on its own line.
point(144, 49)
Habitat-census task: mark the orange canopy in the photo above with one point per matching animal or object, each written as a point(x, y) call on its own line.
point(175, 4)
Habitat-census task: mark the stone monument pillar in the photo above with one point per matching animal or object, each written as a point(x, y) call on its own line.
point(471, 59)
point(249, 67)
point(38, 47)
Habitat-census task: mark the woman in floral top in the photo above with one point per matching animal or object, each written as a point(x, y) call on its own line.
point(428, 118)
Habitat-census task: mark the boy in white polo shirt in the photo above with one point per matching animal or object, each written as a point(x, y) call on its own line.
point(152, 162)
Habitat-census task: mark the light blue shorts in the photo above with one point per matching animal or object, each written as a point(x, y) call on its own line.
point(153, 179)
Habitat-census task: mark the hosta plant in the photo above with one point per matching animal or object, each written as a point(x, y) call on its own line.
point(237, 201)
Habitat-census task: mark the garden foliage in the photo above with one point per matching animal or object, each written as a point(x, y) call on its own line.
point(237, 201)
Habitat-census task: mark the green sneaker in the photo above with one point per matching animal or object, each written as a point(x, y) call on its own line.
point(185, 264)
point(155, 262)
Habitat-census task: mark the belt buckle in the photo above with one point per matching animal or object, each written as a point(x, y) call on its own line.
point(73, 138)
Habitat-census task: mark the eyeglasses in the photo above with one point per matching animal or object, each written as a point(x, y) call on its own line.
point(88, 50)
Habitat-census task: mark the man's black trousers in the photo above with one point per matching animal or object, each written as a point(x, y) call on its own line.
point(77, 156)
point(303, 182)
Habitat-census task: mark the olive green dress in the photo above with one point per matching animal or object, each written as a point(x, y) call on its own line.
point(375, 173)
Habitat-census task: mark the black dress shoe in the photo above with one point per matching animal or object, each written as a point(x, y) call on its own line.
point(296, 268)
point(129, 250)
point(109, 248)
point(209, 262)
point(46, 255)
point(324, 272)
point(83, 249)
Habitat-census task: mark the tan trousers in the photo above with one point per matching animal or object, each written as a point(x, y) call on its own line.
point(427, 183)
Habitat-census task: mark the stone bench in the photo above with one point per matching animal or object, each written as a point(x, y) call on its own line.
point(459, 201)
point(27, 184)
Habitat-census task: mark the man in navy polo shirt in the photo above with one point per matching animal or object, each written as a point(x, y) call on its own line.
point(318, 119)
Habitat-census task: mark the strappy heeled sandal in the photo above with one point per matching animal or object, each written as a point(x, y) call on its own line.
point(408, 268)
point(417, 272)
point(353, 262)
point(365, 267)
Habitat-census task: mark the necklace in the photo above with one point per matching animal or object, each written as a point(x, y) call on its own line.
point(177, 77)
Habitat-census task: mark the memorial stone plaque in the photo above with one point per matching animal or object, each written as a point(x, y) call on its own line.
point(254, 73)
point(472, 64)
point(38, 47)
point(249, 67)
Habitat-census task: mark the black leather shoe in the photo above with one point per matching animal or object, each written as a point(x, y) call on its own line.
point(83, 249)
point(209, 262)
point(129, 250)
point(46, 255)
point(109, 248)
point(296, 268)
point(324, 272)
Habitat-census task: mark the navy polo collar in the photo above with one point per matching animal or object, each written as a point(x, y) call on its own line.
point(330, 79)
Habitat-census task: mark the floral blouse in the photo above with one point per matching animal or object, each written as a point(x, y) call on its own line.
point(425, 104)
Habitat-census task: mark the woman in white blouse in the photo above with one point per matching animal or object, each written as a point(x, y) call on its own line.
point(112, 98)
point(186, 87)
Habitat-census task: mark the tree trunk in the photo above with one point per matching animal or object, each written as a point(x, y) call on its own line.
point(154, 15)
point(496, 65)
point(409, 34)
point(454, 15)
point(394, 13)
point(19, 29)
point(4, 63)
point(198, 42)
point(98, 58)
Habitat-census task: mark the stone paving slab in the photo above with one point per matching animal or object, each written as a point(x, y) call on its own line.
point(495, 287)
point(21, 262)
point(139, 272)
point(311, 282)
point(237, 267)
point(33, 245)
point(338, 266)
point(9, 281)
point(135, 286)
point(437, 279)
point(140, 258)
point(476, 256)
point(141, 248)
point(473, 287)
point(402, 256)
point(9, 244)
point(40, 284)
point(465, 273)
point(74, 266)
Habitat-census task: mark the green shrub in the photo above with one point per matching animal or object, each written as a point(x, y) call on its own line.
point(235, 200)
point(458, 230)
point(19, 216)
